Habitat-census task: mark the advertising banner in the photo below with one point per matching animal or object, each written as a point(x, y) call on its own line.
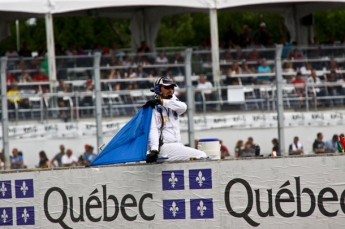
point(300, 192)
point(251, 120)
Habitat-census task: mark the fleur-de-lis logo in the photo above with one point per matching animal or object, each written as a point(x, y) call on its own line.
point(201, 208)
point(24, 188)
point(174, 209)
point(4, 216)
point(25, 215)
point(200, 178)
point(3, 189)
point(173, 180)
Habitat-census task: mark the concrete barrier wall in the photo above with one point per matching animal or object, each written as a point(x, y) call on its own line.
point(305, 192)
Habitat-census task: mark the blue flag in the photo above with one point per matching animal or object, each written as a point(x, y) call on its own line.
point(130, 143)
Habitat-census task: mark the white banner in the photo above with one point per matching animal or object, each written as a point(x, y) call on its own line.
point(287, 193)
point(252, 120)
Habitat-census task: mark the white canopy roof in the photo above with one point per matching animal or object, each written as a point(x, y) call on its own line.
point(60, 6)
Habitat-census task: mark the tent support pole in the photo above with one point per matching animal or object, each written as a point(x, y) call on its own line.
point(280, 108)
point(190, 96)
point(215, 54)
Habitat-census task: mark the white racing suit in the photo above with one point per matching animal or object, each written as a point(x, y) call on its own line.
point(172, 146)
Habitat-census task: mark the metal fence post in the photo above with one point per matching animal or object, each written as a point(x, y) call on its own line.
point(280, 108)
point(4, 114)
point(190, 96)
point(98, 99)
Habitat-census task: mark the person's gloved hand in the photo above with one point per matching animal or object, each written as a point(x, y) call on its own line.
point(257, 150)
point(152, 156)
point(152, 103)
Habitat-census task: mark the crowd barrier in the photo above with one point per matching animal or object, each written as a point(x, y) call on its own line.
point(305, 192)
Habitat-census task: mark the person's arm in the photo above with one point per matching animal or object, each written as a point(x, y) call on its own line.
point(20, 162)
point(316, 150)
point(52, 161)
point(154, 133)
point(175, 105)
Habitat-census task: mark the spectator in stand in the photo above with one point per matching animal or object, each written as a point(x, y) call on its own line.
point(68, 159)
point(208, 93)
point(22, 65)
point(40, 76)
point(288, 68)
point(15, 99)
point(141, 59)
point(24, 51)
point(98, 49)
point(250, 140)
point(127, 62)
point(341, 89)
point(244, 37)
point(143, 75)
point(275, 148)
point(79, 51)
point(254, 56)
point(58, 157)
point(144, 48)
point(247, 151)
point(44, 161)
point(264, 68)
point(299, 87)
point(62, 89)
point(238, 148)
point(296, 148)
point(116, 52)
point(224, 152)
point(177, 58)
point(315, 87)
point(70, 50)
point(24, 77)
point(331, 144)
point(287, 47)
point(226, 56)
point(11, 54)
point(88, 98)
point(86, 151)
point(10, 78)
point(115, 74)
point(262, 35)
point(90, 156)
point(16, 160)
point(1, 160)
point(319, 146)
point(316, 41)
point(297, 55)
point(42, 51)
point(234, 70)
point(246, 70)
point(162, 60)
point(332, 78)
point(230, 37)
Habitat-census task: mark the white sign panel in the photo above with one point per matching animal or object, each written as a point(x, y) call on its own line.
point(273, 193)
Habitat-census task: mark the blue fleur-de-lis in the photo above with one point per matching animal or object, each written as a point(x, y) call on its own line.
point(24, 188)
point(201, 208)
point(174, 209)
point(173, 180)
point(25, 215)
point(200, 178)
point(3, 189)
point(4, 216)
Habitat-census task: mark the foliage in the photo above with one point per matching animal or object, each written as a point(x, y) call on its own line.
point(178, 30)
